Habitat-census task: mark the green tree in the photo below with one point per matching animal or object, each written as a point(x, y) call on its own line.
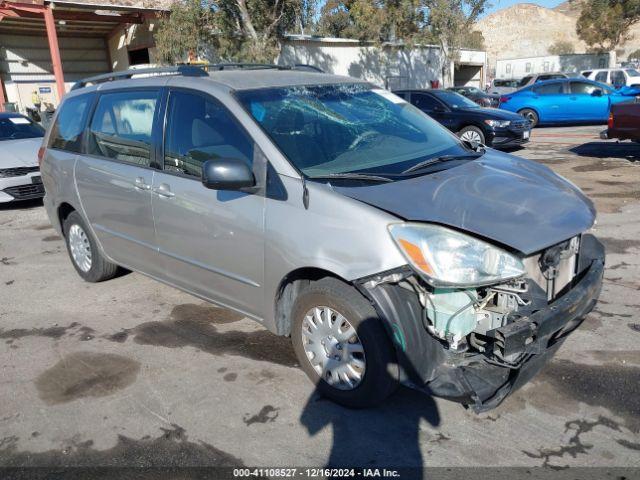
point(450, 22)
point(230, 30)
point(635, 55)
point(604, 24)
point(561, 47)
point(185, 31)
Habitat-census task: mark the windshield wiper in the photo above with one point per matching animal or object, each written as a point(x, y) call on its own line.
point(440, 159)
point(352, 176)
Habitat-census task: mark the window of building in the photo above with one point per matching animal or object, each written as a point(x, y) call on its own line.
point(66, 133)
point(545, 66)
point(508, 68)
point(201, 129)
point(139, 56)
point(527, 67)
point(121, 126)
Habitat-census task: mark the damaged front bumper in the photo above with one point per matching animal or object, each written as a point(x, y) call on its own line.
point(482, 380)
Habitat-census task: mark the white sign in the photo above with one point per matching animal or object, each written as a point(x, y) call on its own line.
point(19, 121)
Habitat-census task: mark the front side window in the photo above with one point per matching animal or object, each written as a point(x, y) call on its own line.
point(618, 79)
point(583, 88)
point(17, 127)
point(632, 72)
point(66, 133)
point(121, 126)
point(335, 129)
point(200, 129)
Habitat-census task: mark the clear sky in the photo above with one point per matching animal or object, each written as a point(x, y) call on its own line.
point(500, 4)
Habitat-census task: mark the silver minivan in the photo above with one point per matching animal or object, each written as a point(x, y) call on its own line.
point(331, 211)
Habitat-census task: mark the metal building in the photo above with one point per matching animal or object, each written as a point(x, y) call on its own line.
point(45, 46)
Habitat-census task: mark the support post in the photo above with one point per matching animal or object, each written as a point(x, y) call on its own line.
point(2, 97)
point(55, 51)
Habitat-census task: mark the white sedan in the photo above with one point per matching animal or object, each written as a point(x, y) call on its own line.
point(20, 139)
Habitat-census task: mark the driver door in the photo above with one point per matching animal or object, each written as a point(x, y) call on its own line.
point(586, 104)
point(211, 242)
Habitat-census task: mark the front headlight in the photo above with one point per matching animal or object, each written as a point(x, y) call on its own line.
point(498, 123)
point(446, 257)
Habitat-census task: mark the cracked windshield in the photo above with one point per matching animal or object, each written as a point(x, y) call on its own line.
point(336, 129)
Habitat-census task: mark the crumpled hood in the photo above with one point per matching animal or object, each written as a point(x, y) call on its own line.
point(515, 202)
point(19, 153)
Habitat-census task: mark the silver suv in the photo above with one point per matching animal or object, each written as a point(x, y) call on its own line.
point(330, 211)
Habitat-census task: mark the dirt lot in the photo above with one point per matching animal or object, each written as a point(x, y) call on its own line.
point(131, 372)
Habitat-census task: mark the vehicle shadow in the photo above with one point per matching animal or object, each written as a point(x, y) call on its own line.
point(22, 205)
point(624, 150)
point(387, 435)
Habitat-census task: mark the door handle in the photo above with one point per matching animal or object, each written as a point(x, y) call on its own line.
point(140, 185)
point(164, 191)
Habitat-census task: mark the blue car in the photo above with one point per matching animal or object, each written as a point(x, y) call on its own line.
point(568, 100)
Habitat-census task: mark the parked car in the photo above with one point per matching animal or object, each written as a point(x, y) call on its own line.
point(20, 139)
point(540, 77)
point(624, 122)
point(616, 77)
point(571, 100)
point(333, 212)
point(476, 125)
point(502, 86)
point(478, 96)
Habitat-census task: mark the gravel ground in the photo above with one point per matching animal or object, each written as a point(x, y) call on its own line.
point(131, 372)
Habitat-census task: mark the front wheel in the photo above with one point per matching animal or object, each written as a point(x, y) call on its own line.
point(472, 135)
point(342, 345)
point(530, 115)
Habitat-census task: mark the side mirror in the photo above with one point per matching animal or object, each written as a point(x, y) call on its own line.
point(227, 174)
point(597, 93)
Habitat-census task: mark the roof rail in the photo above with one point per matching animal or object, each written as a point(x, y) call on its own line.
point(185, 70)
point(246, 66)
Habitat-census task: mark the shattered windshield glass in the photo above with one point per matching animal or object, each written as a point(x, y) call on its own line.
point(334, 129)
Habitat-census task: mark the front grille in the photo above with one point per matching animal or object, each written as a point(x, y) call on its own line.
point(17, 171)
point(520, 125)
point(26, 192)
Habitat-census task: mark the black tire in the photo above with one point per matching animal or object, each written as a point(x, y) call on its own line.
point(473, 131)
point(530, 115)
point(380, 378)
point(101, 269)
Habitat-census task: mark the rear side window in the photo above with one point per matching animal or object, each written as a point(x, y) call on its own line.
point(424, 102)
point(618, 79)
point(200, 129)
point(586, 74)
point(66, 133)
point(121, 126)
point(549, 89)
point(601, 77)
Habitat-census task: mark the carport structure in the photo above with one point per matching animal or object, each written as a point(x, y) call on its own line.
point(24, 20)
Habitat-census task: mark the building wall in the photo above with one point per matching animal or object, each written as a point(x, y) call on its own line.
point(519, 67)
point(389, 67)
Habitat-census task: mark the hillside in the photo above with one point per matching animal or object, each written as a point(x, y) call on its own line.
point(527, 30)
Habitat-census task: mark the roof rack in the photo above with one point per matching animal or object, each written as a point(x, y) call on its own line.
point(245, 66)
point(185, 70)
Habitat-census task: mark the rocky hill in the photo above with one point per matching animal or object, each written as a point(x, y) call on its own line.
point(528, 30)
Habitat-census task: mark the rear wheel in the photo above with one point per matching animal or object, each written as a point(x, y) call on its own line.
point(342, 345)
point(530, 115)
point(83, 250)
point(472, 135)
